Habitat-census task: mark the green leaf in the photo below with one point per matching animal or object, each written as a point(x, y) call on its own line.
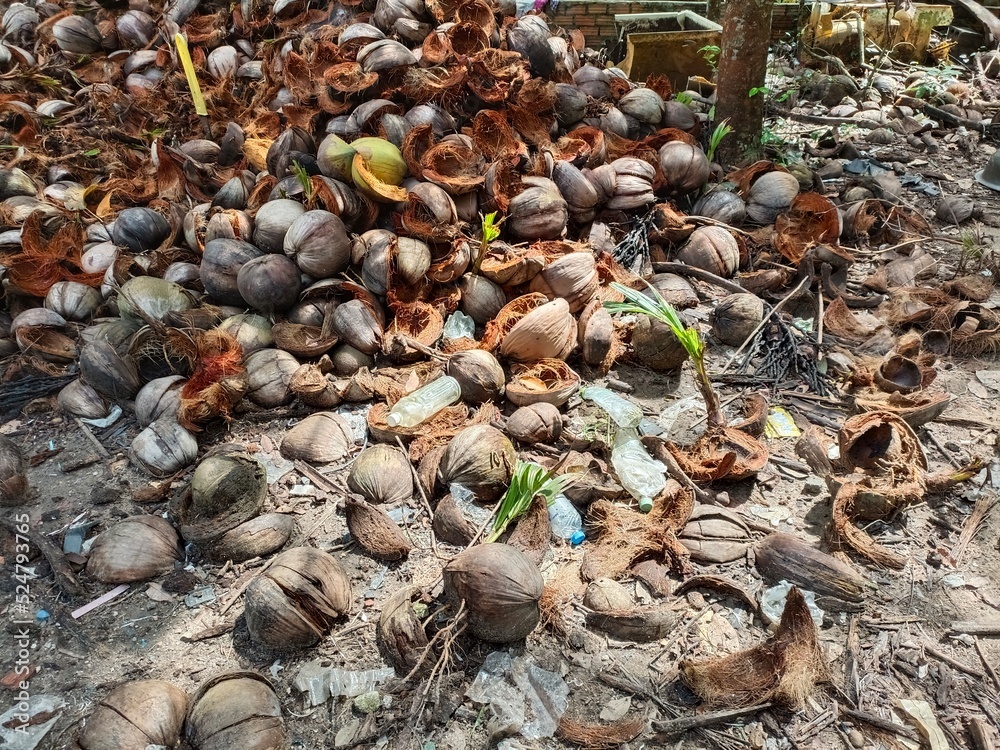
point(656, 307)
point(528, 480)
point(92, 152)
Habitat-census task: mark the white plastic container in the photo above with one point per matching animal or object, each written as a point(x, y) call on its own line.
point(622, 411)
point(640, 474)
point(424, 402)
point(565, 520)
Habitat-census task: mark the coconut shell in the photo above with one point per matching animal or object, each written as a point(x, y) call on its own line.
point(135, 715)
point(226, 491)
point(783, 557)
point(535, 423)
point(293, 603)
point(375, 531)
point(13, 476)
point(480, 458)
point(399, 633)
point(641, 625)
point(236, 709)
point(533, 530)
point(736, 317)
point(607, 595)
point(427, 470)
point(501, 588)
point(450, 525)
point(596, 335)
point(713, 249)
point(323, 437)
point(258, 537)
point(382, 474)
point(655, 346)
point(546, 381)
point(478, 374)
point(135, 549)
point(548, 331)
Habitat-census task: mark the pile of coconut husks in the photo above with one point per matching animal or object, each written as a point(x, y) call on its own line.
point(397, 374)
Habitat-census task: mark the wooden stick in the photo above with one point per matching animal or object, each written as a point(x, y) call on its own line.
point(680, 725)
point(953, 662)
point(879, 723)
point(682, 269)
point(989, 667)
point(90, 436)
point(986, 628)
point(61, 570)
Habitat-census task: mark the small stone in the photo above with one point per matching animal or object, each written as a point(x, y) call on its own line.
point(347, 734)
point(367, 703)
point(616, 709)
point(813, 486)
point(953, 446)
point(856, 738)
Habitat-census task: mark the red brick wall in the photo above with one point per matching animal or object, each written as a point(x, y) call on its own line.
point(596, 19)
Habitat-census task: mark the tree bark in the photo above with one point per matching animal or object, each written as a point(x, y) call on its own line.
point(746, 35)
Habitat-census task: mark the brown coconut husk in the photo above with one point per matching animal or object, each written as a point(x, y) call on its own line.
point(811, 219)
point(561, 588)
point(720, 453)
point(623, 537)
point(438, 84)
point(349, 78)
point(755, 408)
point(917, 306)
point(508, 317)
point(415, 143)
point(416, 321)
point(456, 167)
point(915, 409)
point(449, 524)
point(599, 736)
point(494, 136)
point(533, 530)
point(784, 669)
point(218, 378)
point(547, 380)
point(477, 12)
point(375, 532)
point(848, 326)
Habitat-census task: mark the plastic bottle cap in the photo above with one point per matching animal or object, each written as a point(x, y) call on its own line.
point(578, 537)
point(393, 420)
point(645, 504)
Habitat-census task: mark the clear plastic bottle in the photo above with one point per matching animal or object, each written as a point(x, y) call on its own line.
point(640, 474)
point(424, 402)
point(621, 410)
point(565, 520)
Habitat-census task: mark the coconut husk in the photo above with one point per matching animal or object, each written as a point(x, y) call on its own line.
point(761, 282)
point(902, 272)
point(508, 265)
point(430, 434)
point(548, 380)
point(349, 78)
point(720, 453)
point(975, 331)
point(916, 306)
point(414, 321)
point(599, 736)
point(622, 537)
point(837, 585)
point(533, 531)
point(811, 219)
point(975, 288)
point(508, 317)
point(450, 525)
point(755, 407)
point(746, 176)
point(400, 636)
point(455, 167)
point(915, 409)
point(375, 532)
point(640, 625)
point(562, 587)
point(301, 340)
point(427, 469)
point(495, 138)
point(783, 669)
point(218, 378)
point(669, 226)
point(848, 326)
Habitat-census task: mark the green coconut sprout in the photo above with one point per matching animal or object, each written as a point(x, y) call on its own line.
point(529, 479)
point(657, 308)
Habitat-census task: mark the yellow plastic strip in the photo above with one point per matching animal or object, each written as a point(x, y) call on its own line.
point(192, 79)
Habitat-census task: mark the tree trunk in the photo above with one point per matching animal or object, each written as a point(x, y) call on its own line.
point(746, 34)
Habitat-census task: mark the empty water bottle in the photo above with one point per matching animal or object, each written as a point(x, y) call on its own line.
point(565, 520)
point(424, 402)
point(621, 410)
point(640, 474)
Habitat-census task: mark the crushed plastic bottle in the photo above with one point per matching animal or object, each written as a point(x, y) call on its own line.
point(524, 698)
point(772, 602)
point(465, 498)
point(670, 418)
point(565, 520)
point(424, 402)
point(640, 474)
point(622, 411)
point(320, 683)
point(458, 326)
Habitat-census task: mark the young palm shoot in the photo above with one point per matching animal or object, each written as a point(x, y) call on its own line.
point(491, 232)
point(656, 307)
point(721, 131)
point(529, 479)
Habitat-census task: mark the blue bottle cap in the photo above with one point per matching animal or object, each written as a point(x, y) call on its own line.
point(578, 537)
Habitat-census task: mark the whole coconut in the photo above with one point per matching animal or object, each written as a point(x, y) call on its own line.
point(736, 317)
